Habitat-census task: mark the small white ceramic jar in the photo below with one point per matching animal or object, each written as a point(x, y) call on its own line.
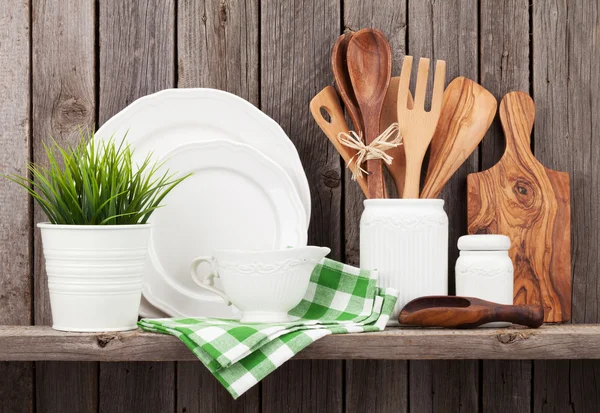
point(406, 240)
point(484, 270)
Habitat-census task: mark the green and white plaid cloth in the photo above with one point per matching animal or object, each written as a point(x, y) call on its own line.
point(340, 299)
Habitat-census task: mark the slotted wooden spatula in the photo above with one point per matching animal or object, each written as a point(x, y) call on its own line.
point(327, 99)
point(522, 199)
point(467, 112)
point(389, 115)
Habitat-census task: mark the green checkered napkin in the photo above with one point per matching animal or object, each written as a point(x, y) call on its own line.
point(340, 299)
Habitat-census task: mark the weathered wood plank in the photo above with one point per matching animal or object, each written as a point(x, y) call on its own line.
point(376, 386)
point(304, 386)
point(296, 39)
point(504, 66)
point(368, 384)
point(81, 394)
point(447, 30)
point(199, 392)
point(443, 386)
point(137, 49)
point(566, 82)
point(16, 380)
point(217, 46)
point(504, 61)
point(552, 342)
point(63, 102)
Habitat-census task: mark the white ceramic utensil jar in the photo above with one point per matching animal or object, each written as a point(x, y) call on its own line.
point(406, 240)
point(484, 269)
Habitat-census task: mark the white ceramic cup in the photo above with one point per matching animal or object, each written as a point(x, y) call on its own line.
point(263, 285)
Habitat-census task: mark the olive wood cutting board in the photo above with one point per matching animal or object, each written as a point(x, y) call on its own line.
point(529, 203)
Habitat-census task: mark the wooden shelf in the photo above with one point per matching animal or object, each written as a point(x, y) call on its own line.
point(33, 343)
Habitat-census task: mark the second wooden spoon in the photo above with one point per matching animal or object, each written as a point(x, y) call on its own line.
point(339, 68)
point(369, 58)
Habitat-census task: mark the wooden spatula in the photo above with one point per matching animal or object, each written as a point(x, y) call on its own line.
point(467, 112)
point(418, 125)
point(467, 312)
point(327, 99)
point(521, 198)
point(389, 115)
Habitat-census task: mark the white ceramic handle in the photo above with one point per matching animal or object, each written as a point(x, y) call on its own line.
point(208, 282)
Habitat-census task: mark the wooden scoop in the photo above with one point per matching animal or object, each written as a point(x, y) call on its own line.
point(467, 312)
point(339, 68)
point(328, 100)
point(467, 112)
point(369, 59)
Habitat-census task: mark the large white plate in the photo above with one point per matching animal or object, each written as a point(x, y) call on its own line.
point(173, 117)
point(236, 198)
point(165, 120)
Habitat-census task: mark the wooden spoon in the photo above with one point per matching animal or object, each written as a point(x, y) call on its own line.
point(467, 312)
point(328, 100)
point(389, 115)
point(467, 112)
point(370, 66)
point(342, 80)
point(417, 125)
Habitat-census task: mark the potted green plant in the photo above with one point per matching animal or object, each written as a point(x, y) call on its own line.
point(98, 202)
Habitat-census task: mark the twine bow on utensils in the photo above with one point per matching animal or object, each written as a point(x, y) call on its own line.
point(390, 138)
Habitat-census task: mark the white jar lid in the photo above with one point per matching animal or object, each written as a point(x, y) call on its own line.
point(484, 242)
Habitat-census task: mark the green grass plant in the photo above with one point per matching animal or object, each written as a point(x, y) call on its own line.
point(97, 183)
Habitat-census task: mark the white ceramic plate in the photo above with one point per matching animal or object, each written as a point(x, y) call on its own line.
point(172, 117)
point(236, 198)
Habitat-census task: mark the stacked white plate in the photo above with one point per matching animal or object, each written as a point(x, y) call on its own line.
point(248, 189)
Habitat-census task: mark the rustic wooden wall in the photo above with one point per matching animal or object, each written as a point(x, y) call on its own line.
point(67, 63)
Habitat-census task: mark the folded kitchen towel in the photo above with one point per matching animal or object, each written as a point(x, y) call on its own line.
point(340, 299)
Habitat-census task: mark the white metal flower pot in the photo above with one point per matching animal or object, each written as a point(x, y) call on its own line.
point(95, 275)
point(406, 240)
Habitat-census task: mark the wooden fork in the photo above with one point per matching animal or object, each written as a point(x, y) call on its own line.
point(417, 125)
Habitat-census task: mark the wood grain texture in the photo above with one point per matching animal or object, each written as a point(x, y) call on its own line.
point(369, 377)
point(556, 342)
point(389, 16)
point(16, 380)
point(199, 392)
point(521, 198)
point(504, 42)
point(320, 383)
point(417, 125)
point(327, 101)
point(81, 393)
point(467, 312)
point(369, 60)
point(566, 65)
point(504, 61)
point(467, 112)
point(343, 84)
point(376, 386)
point(63, 81)
point(296, 40)
point(447, 30)
point(506, 386)
point(443, 386)
point(218, 47)
point(137, 46)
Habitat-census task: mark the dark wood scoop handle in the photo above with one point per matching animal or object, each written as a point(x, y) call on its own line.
point(467, 312)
